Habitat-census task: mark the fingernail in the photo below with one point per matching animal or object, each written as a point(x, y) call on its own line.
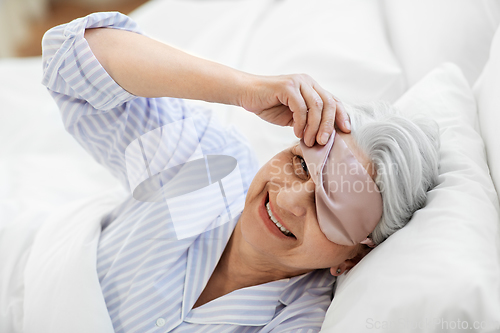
point(324, 138)
point(347, 124)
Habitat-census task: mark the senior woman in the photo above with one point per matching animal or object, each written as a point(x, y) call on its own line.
point(310, 214)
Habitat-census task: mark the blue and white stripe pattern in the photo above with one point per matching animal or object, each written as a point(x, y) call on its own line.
point(150, 280)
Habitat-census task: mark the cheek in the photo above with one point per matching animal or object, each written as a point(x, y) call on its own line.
point(273, 174)
point(320, 251)
point(254, 234)
point(256, 189)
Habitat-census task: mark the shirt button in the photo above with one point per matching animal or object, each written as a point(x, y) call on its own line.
point(160, 322)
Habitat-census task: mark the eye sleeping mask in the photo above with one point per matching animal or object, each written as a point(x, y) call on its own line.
point(348, 202)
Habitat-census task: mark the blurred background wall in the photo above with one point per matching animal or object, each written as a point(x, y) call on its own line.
point(23, 22)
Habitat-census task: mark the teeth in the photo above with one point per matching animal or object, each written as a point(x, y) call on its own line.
point(282, 228)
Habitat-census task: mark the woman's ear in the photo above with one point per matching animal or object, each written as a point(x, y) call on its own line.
point(349, 263)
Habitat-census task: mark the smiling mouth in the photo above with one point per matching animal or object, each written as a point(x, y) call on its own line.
point(283, 230)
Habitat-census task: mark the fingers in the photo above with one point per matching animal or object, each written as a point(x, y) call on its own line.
point(341, 117)
point(315, 107)
point(314, 111)
point(324, 110)
point(298, 106)
point(333, 112)
point(327, 118)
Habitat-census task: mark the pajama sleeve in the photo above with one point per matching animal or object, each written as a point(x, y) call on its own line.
point(103, 117)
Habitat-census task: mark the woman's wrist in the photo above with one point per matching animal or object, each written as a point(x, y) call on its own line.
point(257, 92)
point(246, 87)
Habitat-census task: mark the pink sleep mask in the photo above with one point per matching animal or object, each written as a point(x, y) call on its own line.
point(348, 202)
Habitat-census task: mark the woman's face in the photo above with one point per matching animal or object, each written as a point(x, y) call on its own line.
point(283, 191)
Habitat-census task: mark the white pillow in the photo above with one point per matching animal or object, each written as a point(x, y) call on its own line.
point(342, 44)
point(426, 33)
point(487, 92)
point(217, 30)
point(442, 269)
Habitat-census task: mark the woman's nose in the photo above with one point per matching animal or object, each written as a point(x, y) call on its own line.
point(296, 199)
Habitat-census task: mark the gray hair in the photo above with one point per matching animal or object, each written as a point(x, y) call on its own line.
point(405, 155)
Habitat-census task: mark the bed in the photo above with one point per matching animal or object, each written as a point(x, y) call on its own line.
point(440, 59)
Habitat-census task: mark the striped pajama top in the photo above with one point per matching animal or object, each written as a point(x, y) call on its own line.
point(150, 276)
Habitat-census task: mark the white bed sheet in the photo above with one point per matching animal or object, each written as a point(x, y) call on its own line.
point(41, 166)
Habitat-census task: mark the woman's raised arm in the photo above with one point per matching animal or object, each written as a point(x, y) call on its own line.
point(148, 68)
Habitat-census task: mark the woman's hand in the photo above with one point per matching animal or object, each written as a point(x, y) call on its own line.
point(299, 101)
